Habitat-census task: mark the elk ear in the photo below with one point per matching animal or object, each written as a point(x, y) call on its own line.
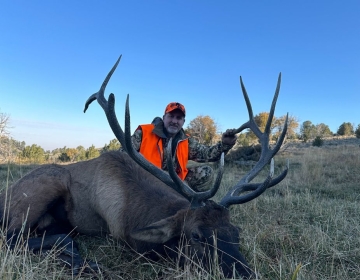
point(158, 232)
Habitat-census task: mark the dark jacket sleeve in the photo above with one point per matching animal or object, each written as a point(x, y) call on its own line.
point(136, 139)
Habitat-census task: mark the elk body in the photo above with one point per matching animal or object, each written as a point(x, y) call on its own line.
point(122, 194)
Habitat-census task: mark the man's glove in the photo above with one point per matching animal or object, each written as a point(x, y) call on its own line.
point(229, 137)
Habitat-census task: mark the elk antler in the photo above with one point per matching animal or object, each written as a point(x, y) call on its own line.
point(108, 106)
point(197, 198)
point(172, 180)
point(233, 196)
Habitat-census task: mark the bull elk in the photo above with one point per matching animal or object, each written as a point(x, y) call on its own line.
point(122, 194)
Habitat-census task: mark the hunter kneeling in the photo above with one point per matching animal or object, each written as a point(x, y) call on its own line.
point(152, 139)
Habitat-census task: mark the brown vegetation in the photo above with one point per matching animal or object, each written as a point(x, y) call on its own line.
point(310, 221)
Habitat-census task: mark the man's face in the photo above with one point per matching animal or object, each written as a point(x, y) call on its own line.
point(173, 122)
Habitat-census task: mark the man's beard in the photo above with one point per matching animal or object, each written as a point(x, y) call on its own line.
point(172, 129)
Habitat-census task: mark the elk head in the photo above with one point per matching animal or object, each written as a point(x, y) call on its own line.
point(205, 225)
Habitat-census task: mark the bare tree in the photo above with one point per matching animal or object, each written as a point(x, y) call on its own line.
point(292, 125)
point(202, 128)
point(5, 143)
point(4, 122)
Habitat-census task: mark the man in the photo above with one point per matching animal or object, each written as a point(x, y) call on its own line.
point(152, 139)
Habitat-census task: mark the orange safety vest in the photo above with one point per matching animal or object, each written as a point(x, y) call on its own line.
point(151, 148)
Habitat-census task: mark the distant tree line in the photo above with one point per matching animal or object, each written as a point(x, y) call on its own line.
point(203, 128)
point(311, 131)
point(18, 152)
point(80, 153)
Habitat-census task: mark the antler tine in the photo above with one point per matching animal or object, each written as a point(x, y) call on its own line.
point(108, 106)
point(100, 94)
point(273, 105)
point(182, 186)
point(197, 198)
point(281, 137)
point(258, 189)
point(251, 122)
point(247, 100)
point(266, 155)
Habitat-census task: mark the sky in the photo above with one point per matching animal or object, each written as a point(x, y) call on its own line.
point(55, 54)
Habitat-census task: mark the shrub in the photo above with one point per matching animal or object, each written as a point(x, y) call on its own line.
point(318, 141)
point(346, 129)
point(244, 153)
point(357, 132)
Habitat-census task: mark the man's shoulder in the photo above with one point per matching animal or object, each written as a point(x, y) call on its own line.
point(146, 128)
point(145, 125)
point(182, 135)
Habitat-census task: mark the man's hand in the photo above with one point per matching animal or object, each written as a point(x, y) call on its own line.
point(229, 137)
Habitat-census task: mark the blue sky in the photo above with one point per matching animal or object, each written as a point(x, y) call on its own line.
point(55, 54)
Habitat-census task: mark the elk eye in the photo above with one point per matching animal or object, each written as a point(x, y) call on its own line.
point(195, 236)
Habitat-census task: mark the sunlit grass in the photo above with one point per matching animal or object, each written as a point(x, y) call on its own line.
point(307, 227)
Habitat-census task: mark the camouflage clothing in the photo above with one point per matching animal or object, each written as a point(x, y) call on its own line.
point(200, 177)
point(197, 177)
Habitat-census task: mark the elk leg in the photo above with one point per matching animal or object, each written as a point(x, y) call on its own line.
point(68, 248)
point(69, 255)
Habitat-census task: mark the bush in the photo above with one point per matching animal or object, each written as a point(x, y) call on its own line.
point(64, 157)
point(244, 139)
point(357, 132)
point(318, 141)
point(244, 153)
point(346, 129)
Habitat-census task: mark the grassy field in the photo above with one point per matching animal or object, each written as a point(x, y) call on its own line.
point(307, 227)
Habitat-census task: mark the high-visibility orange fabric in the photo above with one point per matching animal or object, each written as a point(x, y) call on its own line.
point(152, 149)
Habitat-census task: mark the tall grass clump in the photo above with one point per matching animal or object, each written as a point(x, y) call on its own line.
point(309, 224)
point(307, 227)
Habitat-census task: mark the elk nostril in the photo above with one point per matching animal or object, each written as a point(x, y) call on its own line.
point(195, 236)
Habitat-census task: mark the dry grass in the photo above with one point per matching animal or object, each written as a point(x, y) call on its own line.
point(307, 227)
